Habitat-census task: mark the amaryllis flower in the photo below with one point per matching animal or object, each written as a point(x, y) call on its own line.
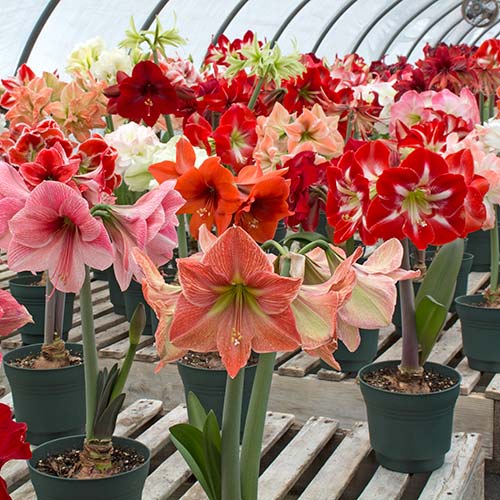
point(50, 164)
point(55, 232)
point(12, 314)
point(487, 65)
point(149, 224)
point(185, 159)
point(232, 301)
point(235, 137)
point(211, 195)
point(12, 443)
point(420, 200)
point(13, 195)
point(198, 131)
point(145, 95)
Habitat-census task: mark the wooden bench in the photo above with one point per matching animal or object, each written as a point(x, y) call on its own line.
point(316, 460)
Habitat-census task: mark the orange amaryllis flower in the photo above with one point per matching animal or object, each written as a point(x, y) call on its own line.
point(233, 302)
point(185, 159)
point(211, 195)
point(162, 297)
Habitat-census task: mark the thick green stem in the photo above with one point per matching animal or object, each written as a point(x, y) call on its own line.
point(181, 236)
point(269, 244)
point(50, 313)
point(230, 447)
point(89, 354)
point(481, 107)
point(409, 359)
point(254, 427)
point(124, 371)
point(491, 106)
point(255, 94)
point(109, 123)
point(170, 127)
point(494, 254)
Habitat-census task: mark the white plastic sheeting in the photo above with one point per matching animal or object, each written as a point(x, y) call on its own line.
point(371, 26)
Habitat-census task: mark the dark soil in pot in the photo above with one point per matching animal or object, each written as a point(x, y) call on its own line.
point(410, 432)
point(127, 485)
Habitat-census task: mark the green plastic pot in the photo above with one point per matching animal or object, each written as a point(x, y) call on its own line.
point(364, 354)
point(479, 246)
point(51, 402)
point(132, 297)
point(124, 486)
point(410, 432)
point(480, 333)
point(33, 298)
point(115, 294)
point(210, 388)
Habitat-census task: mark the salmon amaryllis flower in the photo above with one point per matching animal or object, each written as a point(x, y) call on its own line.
point(13, 445)
point(12, 314)
point(56, 232)
point(233, 302)
point(420, 200)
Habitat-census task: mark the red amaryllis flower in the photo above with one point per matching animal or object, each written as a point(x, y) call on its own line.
point(487, 65)
point(185, 158)
point(198, 130)
point(351, 186)
point(12, 443)
point(462, 163)
point(265, 205)
point(235, 137)
point(420, 200)
point(145, 95)
point(50, 164)
point(24, 75)
point(304, 202)
point(211, 195)
point(222, 47)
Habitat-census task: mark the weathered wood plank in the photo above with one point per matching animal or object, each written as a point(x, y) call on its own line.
point(114, 334)
point(99, 309)
point(342, 465)
point(477, 281)
point(333, 375)
point(451, 480)
point(470, 377)
point(98, 297)
point(12, 342)
point(385, 485)
point(287, 468)
point(275, 426)
point(100, 324)
point(119, 349)
point(299, 365)
point(147, 354)
point(493, 389)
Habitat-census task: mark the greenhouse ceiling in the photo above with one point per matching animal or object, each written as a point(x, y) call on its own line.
point(43, 33)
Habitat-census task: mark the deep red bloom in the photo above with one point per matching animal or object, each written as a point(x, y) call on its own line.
point(198, 130)
point(145, 95)
point(211, 195)
point(50, 164)
point(235, 137)
point(420, 200)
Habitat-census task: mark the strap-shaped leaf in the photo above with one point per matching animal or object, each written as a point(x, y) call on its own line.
point(430, 318)
point(106, 422)
point(212, 451)
point(196, 413)
point(189, 441)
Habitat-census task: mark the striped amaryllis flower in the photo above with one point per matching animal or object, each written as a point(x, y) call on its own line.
point(420, 200)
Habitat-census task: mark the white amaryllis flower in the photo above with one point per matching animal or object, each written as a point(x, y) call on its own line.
point(84, 55)
point(489, 135)
point(109, 63)
point(384, 90)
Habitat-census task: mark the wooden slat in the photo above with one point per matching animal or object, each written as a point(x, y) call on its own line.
point(119, 349)
point(447, 346)
point(385, 335)
point(98, 310)
point(129, 420)
point(158, 435)
point(470, 377)
point(100, 324)
point(476, 281)
point(450, 480)
point(342, 465)
point(114, 334)
point(276, 425)
point(12, 342)
point(147, 354)
point(287, 468)
point(385, 485)
point(299, 365)
point(98, 297)
point(334, 375)
point(493, 389)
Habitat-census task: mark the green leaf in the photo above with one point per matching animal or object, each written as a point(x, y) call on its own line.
point(105, 423)
point(304, 237)
point(189, 441)
point(196, 413)
point(212, 451)
point(430, 318)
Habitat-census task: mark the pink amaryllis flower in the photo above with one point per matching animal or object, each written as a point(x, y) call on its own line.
point(12, 314)
point(56, 232)
point(232, 301)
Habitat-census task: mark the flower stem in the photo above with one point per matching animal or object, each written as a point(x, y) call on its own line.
point(273, 244)
point(89, 354)
point(254, 427)
point(494, 254)
point(169, 133)
point(181, 236)
point(109, 123)
point(50, 312)
point(230, 447)
point(409, 358)
point(255, 94)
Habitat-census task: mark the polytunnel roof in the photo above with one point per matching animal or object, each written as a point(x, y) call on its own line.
point(43, 32)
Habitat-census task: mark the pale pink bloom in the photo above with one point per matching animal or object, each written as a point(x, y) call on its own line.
point(12, 314)
point(149, 224)
point(56, 232)
point(13, 195)
point(463, 105)
point(410, 109)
